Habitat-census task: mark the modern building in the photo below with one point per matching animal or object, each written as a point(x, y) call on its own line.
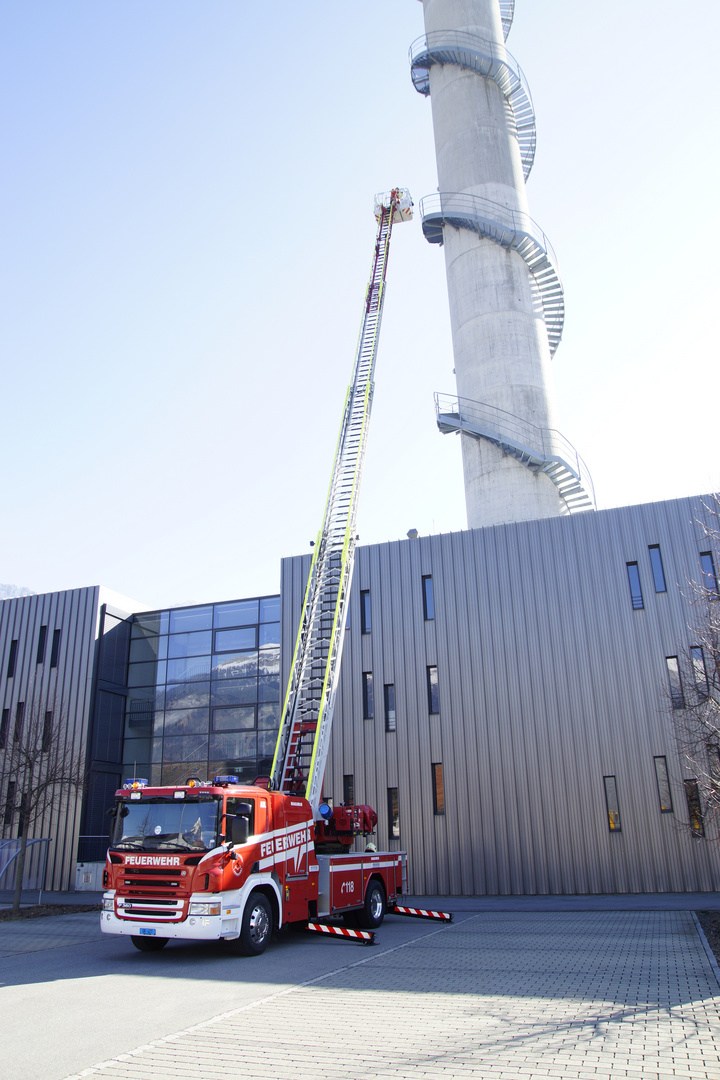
point(506, 701)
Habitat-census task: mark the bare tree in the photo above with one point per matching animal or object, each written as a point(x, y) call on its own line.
point(44, 771)
point(695, 686)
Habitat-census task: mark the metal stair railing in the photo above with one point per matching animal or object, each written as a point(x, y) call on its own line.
point(507, 14)
point(303, 740)
point(491, 61)
point(512, 229)
point(539, 449)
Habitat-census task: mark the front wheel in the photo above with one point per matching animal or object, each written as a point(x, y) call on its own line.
point(257, 925)
point(149, 944)
point(373, 910)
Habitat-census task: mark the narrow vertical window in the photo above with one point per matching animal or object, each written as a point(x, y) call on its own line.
point(55, 650)
point(22, 815)
point(612, 804)
point(42, 641)
point(428, 597)
point(432, 690)
point(438, 788)
point(367, 692)
point(19, 714)
point(389, 706)
point(4, 727)
point(393, 813)
point(365, 612)
point(697, 660)
point(657, 568)
point(708, 568)
point(9, 804)
point(663, 785)
point(676, 690)
point(47, 732)
point(692, 794)
point(349, 790)
point(635, 590)
point(12, 658)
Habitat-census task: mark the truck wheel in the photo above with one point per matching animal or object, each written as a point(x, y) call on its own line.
point(373, 910)
point(149, 944)
point(257, 925)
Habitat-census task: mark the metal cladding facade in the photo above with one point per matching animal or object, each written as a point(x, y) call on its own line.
point(56, 671)
point(547, 681)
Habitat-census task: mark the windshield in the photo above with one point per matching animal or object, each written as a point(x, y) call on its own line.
point(161, 825)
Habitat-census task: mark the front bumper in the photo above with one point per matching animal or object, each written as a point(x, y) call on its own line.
point(192, 928)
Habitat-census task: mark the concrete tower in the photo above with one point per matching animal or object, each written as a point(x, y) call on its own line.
point(506, 299)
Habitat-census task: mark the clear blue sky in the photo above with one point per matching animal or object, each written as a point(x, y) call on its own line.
point(187, 233)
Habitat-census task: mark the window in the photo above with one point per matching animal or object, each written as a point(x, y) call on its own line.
point(22, 815)
point(699, 672)
point(55, 650)
point(349, 790)
point(367, 692)
point(19, 714)
point(428, 598)
point(438, 789)
point(611, 802)
point(635, 590)
point(389, 706)
point(3, 727)
point(657, 568)
point(432, 691)
point(708, 568)
point(663, 785)
point(11, 659)
point(692, 794)
point(42, 640)
point(676, 691)
point(244, 637)
point(393, 814)
point(9, 804)
point(47, 732)
point(365, 613)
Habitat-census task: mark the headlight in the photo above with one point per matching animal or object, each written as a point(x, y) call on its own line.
point(108, 903)
point(204, 909)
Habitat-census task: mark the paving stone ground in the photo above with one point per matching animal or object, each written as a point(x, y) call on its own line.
point(496, 996)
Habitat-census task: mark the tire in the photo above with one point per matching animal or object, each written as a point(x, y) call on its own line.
point(149, 944)
point(257, 926)
point(373, 910)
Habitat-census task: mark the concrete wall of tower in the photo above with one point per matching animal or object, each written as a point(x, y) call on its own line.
point(500, 340)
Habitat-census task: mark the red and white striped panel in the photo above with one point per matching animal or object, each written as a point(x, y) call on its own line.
point(363, 936)
point(421, 913)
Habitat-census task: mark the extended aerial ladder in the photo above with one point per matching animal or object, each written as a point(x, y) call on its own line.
point(302, 747)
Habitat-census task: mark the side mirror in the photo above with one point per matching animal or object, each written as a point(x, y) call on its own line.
point(239, 830)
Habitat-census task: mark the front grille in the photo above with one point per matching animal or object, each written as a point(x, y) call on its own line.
point(161, 877)
point(152, 907)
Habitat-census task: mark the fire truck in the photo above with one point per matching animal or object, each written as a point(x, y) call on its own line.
point(217, 859)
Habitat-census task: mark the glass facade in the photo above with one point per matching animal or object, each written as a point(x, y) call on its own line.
point(203, 691)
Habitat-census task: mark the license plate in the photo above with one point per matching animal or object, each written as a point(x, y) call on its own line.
point(147, 931)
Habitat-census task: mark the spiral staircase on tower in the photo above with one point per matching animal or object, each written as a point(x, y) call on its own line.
point(542, 450)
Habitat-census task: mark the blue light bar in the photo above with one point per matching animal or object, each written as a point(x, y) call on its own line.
point(136, 782)
point(226, 780)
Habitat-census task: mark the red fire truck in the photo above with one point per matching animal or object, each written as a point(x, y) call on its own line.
point(205, 860)
point(219, 860)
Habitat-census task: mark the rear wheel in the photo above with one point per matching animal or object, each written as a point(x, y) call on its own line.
point(149, 944)
point(373, 910)
point(257, 925)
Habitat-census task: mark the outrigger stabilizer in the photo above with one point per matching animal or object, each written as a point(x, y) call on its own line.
point(361, 937)
point(422, 913)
